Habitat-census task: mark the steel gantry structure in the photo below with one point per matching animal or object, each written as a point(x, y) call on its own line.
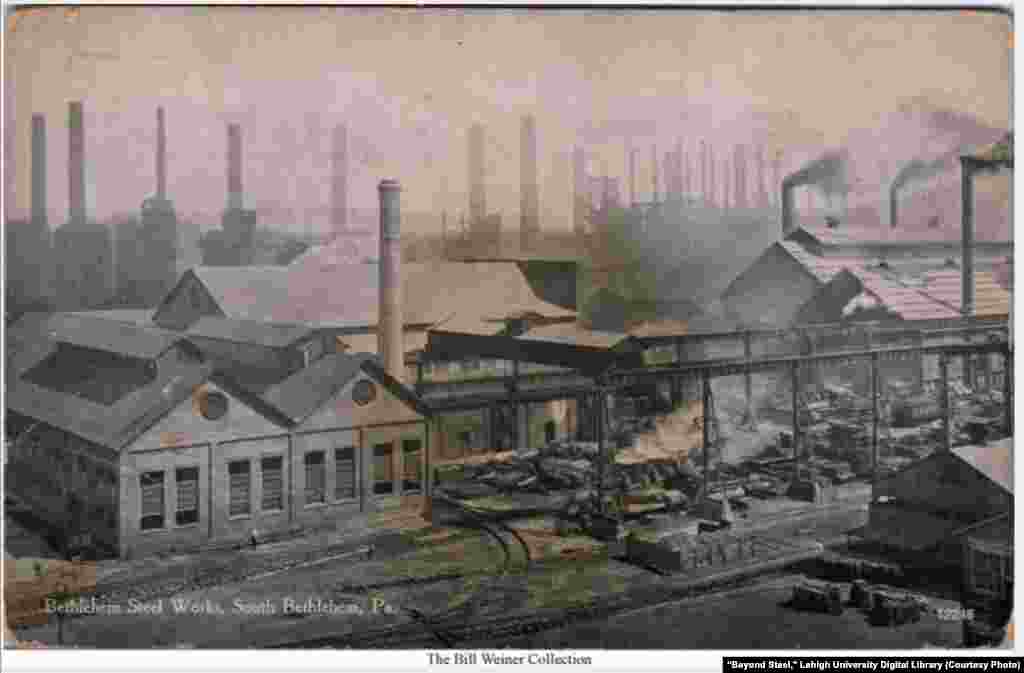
point(620, 369)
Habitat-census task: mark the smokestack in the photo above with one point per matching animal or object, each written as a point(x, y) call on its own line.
point(529, 217)
point(76, 162)
point(741, 177)
point(339, 179)
point(787, 209)
point(712, 177)
point(234, 167)
point(579, 168)
point(389, 321)
point(477, 195)
point(39, 169)
point(894, 197)
point(632, 177)
point(654, 175)
point(967, 237)
point(161, 156)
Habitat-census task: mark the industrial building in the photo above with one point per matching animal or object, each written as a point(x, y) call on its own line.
point(136, 437)
point(954, 508)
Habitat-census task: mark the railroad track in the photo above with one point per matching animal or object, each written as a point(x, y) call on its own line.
point(439, 627)
point(515, 626)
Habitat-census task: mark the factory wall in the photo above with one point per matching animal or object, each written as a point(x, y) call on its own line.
point(772, 291)
point(70, 484)
point(337, 442)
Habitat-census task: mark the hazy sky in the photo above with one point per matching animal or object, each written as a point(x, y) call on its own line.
point(410, 82)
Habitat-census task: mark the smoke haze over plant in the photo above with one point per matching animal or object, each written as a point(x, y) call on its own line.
point(408, 84)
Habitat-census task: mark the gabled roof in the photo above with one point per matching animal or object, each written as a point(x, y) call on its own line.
point(858, 234)
point(994, 460)
point(905, 302)
point(324, 292)
point(990, 299)
point(116, 425)
point(272, 335)
point(302, 393)
point(87, 331)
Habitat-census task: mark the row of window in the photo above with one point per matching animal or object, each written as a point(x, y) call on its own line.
point(271, 474)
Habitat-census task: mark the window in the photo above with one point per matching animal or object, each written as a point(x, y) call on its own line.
point(412, 465)
point(316, 478)
point(383, 470)
point(240, 488)
point(345, 473)
point(151, 485)
point(187, 510)
point(273, 483)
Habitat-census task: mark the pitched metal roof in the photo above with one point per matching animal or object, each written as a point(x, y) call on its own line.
point(302, 393)
point(273, 335)
point(98, 333)
point(906, 302)
point(116, 425)
point(994, 460)
point(327, 293)
point(858, 234)
point(990, 299)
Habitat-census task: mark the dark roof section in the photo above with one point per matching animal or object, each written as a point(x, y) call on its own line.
point(272, 335)
point(98, 333)
point(302, 393)
point(117, 425)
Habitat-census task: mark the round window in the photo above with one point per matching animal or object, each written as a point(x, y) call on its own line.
point(364, 392)
point(213, 405)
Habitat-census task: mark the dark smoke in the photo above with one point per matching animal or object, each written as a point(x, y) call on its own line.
point(828, 172)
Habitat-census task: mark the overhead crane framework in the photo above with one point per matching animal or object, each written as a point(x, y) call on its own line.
point(591, 384)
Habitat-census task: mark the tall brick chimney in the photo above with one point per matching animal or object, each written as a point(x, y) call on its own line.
point(39, 215)
point(161, 155)
point(76, 162)
point(389, 319)
point(234, 167)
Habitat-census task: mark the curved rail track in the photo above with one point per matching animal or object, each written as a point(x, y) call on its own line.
point(442, 626)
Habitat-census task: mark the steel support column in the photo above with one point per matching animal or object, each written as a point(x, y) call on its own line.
point(748, 379)
point(1008, 391)
point(602, 458)
point(795, 384)
point(705, 425)
point(874, 420)
point(947, 412)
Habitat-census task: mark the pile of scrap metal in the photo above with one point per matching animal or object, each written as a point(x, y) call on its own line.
point(818, 597)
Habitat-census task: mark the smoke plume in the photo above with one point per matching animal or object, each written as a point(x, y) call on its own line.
point(828, 172)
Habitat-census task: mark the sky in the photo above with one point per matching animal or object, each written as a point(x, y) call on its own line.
point(408, 83)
